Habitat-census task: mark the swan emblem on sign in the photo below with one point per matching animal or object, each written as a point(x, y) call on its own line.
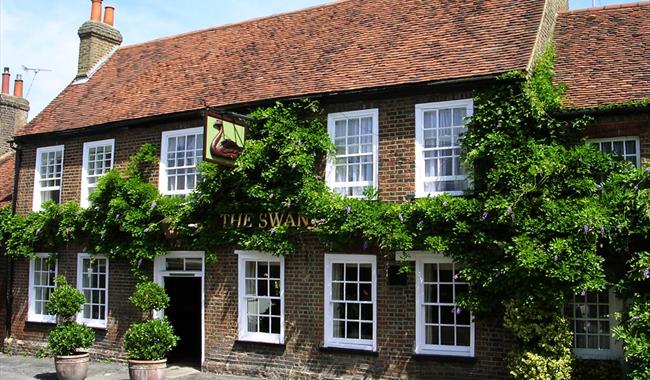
point(225, 148)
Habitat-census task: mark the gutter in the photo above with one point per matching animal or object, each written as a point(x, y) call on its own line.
point(10, 261)
point(623, 110)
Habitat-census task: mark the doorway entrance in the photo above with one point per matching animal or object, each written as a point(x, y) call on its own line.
point(181, 274)
point(184, 313)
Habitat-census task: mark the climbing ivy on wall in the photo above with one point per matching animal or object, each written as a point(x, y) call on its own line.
point(548, 215)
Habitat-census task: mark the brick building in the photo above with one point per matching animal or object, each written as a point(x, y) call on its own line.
point(13, 116)
point(389, 74)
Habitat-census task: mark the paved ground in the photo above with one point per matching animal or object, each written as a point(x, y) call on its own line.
point(29, 368)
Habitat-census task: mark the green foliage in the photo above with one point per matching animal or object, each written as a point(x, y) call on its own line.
point(150, 340)
point(65, 301)
point(69, 337)
point(548, 216)
point(149, 296)
point(546, 340)
point(634, 332)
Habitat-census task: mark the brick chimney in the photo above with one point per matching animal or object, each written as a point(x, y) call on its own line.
point(13, 110)
point(97, 40)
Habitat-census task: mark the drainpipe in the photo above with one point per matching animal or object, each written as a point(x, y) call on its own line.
point(10, 267)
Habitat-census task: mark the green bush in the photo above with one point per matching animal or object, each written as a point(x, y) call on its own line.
point(539, 366)
point(149, 296)
point(67, 338)
point(65, 301)
point(150, 340)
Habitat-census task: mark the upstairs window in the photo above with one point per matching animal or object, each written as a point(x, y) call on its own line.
point(354, 166)
point(627, 148)
point(181, 152)
point(42, 270)
point(92, 281)
point(439, 128)
point(48, 176)
point(97, 161)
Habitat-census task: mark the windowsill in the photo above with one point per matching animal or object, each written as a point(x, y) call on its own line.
point(244, 342)
point(41, 321)
point(432, 195)
point(94, 325)
point(586, 354)
point(350, 351)
point(446, 358)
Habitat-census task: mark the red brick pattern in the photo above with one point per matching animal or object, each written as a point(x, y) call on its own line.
point(7, 164)
point(304, 270)
point(603, 53)
point(346, 45)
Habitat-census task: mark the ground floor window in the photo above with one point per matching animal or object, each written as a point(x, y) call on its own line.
point(351, 301)
point(591, 318)
point(261, 297)
point(442, 327)
point(42, 270)
point(92, 281)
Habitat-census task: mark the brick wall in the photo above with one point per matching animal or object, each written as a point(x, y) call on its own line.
point(624, 125)
point(96, 41)
point(547, 27)
point(397, 137)
point(13, 114)
point(301, 355)
point(3, 304)
point(30, 336)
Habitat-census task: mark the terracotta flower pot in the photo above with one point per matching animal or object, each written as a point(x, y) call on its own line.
point(147, 369)
point(74, 367)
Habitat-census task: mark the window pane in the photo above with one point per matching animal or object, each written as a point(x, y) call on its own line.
point(443, 322)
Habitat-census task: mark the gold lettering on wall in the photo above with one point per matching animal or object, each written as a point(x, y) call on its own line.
point(265, 220)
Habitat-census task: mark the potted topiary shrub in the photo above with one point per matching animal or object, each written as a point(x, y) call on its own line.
point(148, 342)
point(68, 339)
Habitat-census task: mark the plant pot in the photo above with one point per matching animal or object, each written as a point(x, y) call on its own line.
point(74, 367)
point(147, 369)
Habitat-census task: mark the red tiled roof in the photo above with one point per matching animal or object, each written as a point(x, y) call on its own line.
point(603, 54)
point(347, 45)
point(7, 163)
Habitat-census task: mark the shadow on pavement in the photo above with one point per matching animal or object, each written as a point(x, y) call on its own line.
point(46, 376)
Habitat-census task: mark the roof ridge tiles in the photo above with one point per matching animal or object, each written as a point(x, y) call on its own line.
point(607, 7)
point(233, 24)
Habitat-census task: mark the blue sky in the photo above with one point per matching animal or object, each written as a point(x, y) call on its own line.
point(43, 33)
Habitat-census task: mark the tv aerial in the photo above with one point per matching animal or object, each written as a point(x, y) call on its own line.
point(35, 70)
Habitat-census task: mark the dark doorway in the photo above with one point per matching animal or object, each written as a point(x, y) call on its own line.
point(184, 313)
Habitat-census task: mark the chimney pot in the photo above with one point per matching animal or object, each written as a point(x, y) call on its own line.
point(5, 81)
point(109, 15)
point(18, 86)
point(96, 10)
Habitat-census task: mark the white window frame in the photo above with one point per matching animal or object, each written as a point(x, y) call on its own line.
point(37, 203)
point(438, 349)
point(244, 334)
point(615, 351)
point(84, 201)
point(420, 177)
point(347, 343)
point(32, 316)
point(162, 174)
point(623, 139)
point(330, 174)
point(95, 323)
